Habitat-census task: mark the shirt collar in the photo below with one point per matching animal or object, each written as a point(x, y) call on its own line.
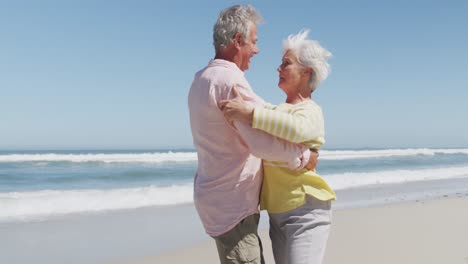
point(224, 63)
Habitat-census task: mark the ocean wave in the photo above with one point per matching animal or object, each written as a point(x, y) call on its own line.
point(105, 158)
point(384, 153)
point(158, 157)
point(44, 204)
point(354, 179)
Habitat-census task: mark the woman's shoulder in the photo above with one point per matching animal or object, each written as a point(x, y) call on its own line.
point(307, 105)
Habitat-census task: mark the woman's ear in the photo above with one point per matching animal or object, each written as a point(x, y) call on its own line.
point(308, 71)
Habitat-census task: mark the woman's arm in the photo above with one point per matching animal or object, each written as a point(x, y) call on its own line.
point(299, 126)
point(302, 125)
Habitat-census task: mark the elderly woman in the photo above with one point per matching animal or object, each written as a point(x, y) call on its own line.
point(298, 202)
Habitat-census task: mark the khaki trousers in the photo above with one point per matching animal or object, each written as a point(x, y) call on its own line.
point(241, 244)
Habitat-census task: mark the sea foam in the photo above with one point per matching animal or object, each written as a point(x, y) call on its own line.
point(158, 157)
point(46, 203)
point(106, 158)
point(18, 206)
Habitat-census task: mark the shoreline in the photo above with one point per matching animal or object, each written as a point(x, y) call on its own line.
point(425, 231)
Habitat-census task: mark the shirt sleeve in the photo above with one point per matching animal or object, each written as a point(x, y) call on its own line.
point(268, 147)
point(299, 126)
point(264, 145)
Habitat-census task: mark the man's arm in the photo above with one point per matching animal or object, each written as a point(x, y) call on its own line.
point(268, 147)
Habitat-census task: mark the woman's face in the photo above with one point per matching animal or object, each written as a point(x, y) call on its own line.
point(291, 73)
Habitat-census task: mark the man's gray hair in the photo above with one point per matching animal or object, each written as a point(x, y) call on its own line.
point(310, 54)
point(237, 18)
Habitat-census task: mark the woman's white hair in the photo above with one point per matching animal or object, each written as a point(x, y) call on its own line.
point(310, 54)
point(237, 18)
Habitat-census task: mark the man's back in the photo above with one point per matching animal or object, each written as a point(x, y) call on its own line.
point(228, 179)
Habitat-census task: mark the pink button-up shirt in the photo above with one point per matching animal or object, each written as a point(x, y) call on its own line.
point(229, 175)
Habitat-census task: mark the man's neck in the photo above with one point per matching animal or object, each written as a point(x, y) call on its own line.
point(228, 55)
point(220, 56)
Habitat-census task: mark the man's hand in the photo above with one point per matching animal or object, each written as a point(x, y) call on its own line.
point(313, 160)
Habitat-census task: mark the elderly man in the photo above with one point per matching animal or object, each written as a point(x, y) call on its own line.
point(229, 174)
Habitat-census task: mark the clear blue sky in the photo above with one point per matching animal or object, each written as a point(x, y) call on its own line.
point(115, 74)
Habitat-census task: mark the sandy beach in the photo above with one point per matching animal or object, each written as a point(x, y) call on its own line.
point(429, 232)
point(418, 222)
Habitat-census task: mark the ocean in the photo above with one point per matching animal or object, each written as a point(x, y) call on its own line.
point(41, 185)
point(96, 207)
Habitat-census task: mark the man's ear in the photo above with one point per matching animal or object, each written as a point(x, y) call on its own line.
point(238, 40)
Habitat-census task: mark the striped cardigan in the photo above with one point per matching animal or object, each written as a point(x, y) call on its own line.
point(285, 189)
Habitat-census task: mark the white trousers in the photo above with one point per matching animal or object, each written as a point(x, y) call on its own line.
point(300, 236)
